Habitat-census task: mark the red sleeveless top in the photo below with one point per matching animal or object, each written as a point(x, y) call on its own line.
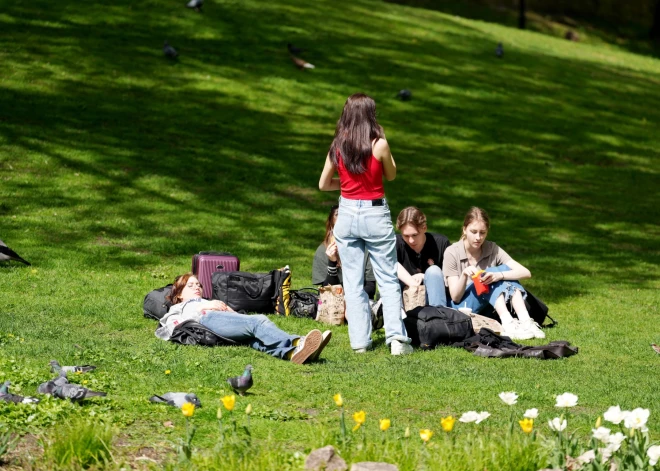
point(362, 186)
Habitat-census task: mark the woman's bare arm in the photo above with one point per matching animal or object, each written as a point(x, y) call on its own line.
point(328, 181)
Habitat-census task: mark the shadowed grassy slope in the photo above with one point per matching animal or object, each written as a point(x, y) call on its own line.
point(117, 165)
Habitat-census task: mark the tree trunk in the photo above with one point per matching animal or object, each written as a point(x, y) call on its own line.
point(521, 13)
point(655, 29)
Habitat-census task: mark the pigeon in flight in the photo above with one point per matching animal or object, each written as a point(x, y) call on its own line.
point(301, 63)
point(6, 396)
point(176, 399)
point(241, 384)
point(294, 50)
point(7, 254)
point(169, 51)
point(499, 51)
point(404, 95)
point(195, 4)
point(56, 368)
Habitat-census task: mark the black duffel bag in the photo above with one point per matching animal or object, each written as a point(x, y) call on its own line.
point(245, 292)
point(430, 326)
point(155, 304)
point(193, 333)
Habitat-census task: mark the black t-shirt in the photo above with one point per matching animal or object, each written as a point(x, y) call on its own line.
point(432, 253)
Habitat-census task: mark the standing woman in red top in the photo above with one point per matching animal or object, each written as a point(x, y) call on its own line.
point(361, 156)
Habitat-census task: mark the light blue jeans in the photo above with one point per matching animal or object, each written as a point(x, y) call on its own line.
point(359, 227)
point(434, 282)
point(257, 331)
point(478, 303)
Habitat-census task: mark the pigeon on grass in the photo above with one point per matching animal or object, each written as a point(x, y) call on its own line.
point(499, 51)
point(294, 50)
point(74, 392)
point(301, 63)
point(195, 5)
point(176, 399)
point(241, 384)
point(404, 95)
point(6, 396)
point(169, 51)
point(656, 348)
point(7, 254)
point(56, 368)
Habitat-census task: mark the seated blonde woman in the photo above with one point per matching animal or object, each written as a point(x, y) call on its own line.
point(257, 331)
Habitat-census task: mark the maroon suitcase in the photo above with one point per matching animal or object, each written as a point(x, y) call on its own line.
point(204, 264)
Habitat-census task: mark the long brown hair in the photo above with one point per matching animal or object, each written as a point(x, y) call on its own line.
point(475, 214)
point(356, 129)
point(330, 225)
point(411, 215)
point(180, 282)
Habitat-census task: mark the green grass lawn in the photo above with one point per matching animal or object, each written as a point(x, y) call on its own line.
point(117, 165)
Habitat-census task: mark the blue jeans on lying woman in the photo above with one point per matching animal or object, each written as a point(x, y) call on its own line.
point(478, 303)
point(257, 331)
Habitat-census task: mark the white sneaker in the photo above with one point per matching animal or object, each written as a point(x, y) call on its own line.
point(514, 331)
point(359, 350)
point(326, 336)
point(400, 348)
point(307, 346)
point(534, 328)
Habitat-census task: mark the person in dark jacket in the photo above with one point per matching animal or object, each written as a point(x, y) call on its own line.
point(326, 267)
point(420, 255)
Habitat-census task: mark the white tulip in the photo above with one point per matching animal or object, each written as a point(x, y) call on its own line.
point(601, 433)
point(482, 416)
point(637, 419)
point(587, 457)
point(531, 413)
point(557, 424)
point(616, 439)
point(654, 454)
point(566, 400)
point(468, 417)
point(605, 454)
point(614, 415)
point(509, 398)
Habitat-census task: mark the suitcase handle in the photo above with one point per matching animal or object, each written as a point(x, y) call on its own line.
point(219, 267)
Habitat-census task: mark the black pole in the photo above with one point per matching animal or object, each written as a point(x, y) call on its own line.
point(655, 29)
point(521, 14)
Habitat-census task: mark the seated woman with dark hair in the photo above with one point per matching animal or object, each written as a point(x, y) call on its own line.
point(326, 268)
point(257, 331)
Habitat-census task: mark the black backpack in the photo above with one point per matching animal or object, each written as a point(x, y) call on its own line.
point(155, 305)
point(304, 302)
point(193, 333)
point(430, 326)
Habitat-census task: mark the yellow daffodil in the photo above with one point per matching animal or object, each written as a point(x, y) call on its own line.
point(598, 422)
point(338, 400)
point(219, 413)
point(84, 381)
point(360, 418)
point(167, 372)
point(188, 409)
point(526, 425)
point(447, 423)
point(229, 402)
point(425, 434)
point(384, 424)
point(248, 409)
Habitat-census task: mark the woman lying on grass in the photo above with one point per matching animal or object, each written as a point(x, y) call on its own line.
point(257, 331)
point(473, 254)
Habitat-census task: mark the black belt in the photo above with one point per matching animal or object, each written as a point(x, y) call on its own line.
point(378, 202)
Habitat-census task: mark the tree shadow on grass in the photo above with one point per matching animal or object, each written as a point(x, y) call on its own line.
point(225, 147)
